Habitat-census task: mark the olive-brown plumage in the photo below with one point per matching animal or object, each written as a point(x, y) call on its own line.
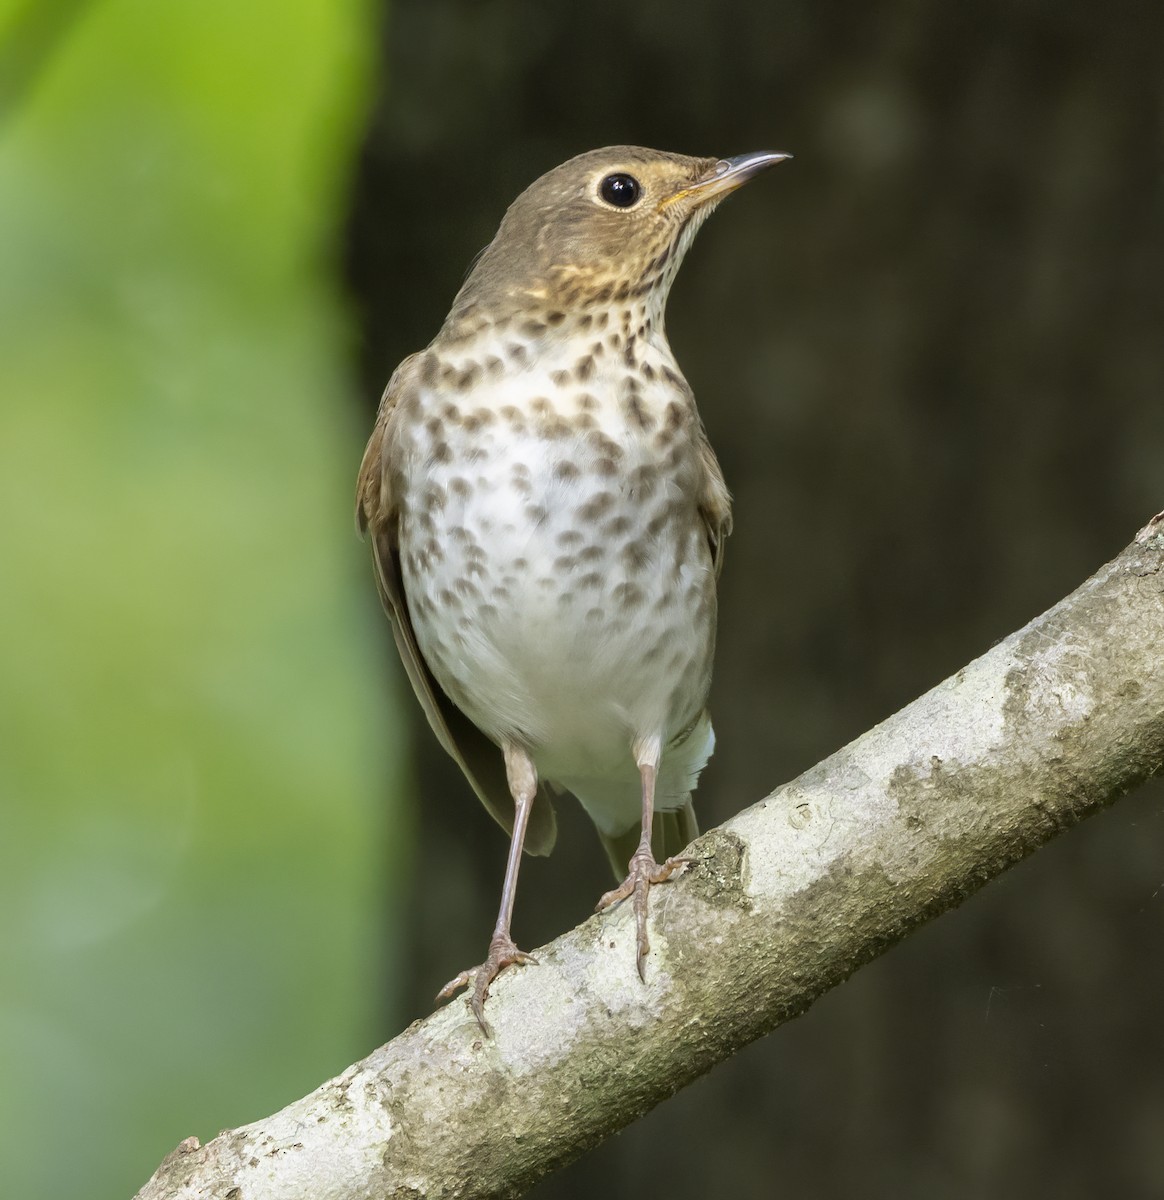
point(548, 519)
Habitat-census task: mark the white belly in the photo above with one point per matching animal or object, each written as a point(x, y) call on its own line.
point(560, 581)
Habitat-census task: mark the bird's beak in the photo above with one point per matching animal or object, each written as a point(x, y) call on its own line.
point(729, 174)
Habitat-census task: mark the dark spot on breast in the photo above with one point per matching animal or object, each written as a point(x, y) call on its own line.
point(592, 554)
point(569, 537)
point(536, 513)
point(592, 579)
point(494, 366)
point(602, 444)
point(586, 402)
point(514, 416)
point(584, 367)
point(447, 598)
point(585, 321)
point(648, 372)
point(629, 595)
point(428, 370)
point(442, 453)
point(564, 563)
point(434, 498)
point(644, 481)
point(460, 487)
point(566, 470)
point(541, 406)
point(555, 318)
point(466, 588)
point(597, 506)
point(532, 329)
point(517, 352)
point(606, 466)
point(635, 555)
point(468, 377)
point(560, 378)
point(636, 412)
point(675, 379)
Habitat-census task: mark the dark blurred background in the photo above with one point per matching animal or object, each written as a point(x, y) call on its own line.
point(929, 354)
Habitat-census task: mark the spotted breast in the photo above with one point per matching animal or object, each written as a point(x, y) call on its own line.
point(559, 578)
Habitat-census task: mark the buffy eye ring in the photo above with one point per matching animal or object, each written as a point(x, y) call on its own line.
point(620, 189)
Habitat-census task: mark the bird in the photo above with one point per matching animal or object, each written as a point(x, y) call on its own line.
point(547, 522)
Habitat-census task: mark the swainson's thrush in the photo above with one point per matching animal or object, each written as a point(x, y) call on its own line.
point(548, 520)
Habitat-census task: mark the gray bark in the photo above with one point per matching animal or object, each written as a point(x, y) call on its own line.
point(781, 903)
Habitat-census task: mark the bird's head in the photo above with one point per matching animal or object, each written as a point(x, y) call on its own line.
point(609, 226)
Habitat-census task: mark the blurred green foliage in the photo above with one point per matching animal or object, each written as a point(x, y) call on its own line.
point(192, 733)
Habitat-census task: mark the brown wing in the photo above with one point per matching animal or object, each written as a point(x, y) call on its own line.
point(377, 513)
point(715, 502)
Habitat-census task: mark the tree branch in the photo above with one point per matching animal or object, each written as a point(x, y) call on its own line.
point(784, 902)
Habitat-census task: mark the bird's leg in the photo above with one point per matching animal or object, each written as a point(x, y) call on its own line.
point(643, 869)
point(523, 784)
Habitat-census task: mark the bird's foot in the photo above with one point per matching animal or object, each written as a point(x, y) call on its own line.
point(502, 953)
point(644, 872)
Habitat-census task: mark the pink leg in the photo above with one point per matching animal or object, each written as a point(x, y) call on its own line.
point(523, 784)
point(644, 871)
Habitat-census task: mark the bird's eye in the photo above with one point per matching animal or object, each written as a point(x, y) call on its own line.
point(620, 189)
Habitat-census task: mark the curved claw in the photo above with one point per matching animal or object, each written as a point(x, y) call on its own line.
point(502, 953)
point(644, 873)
